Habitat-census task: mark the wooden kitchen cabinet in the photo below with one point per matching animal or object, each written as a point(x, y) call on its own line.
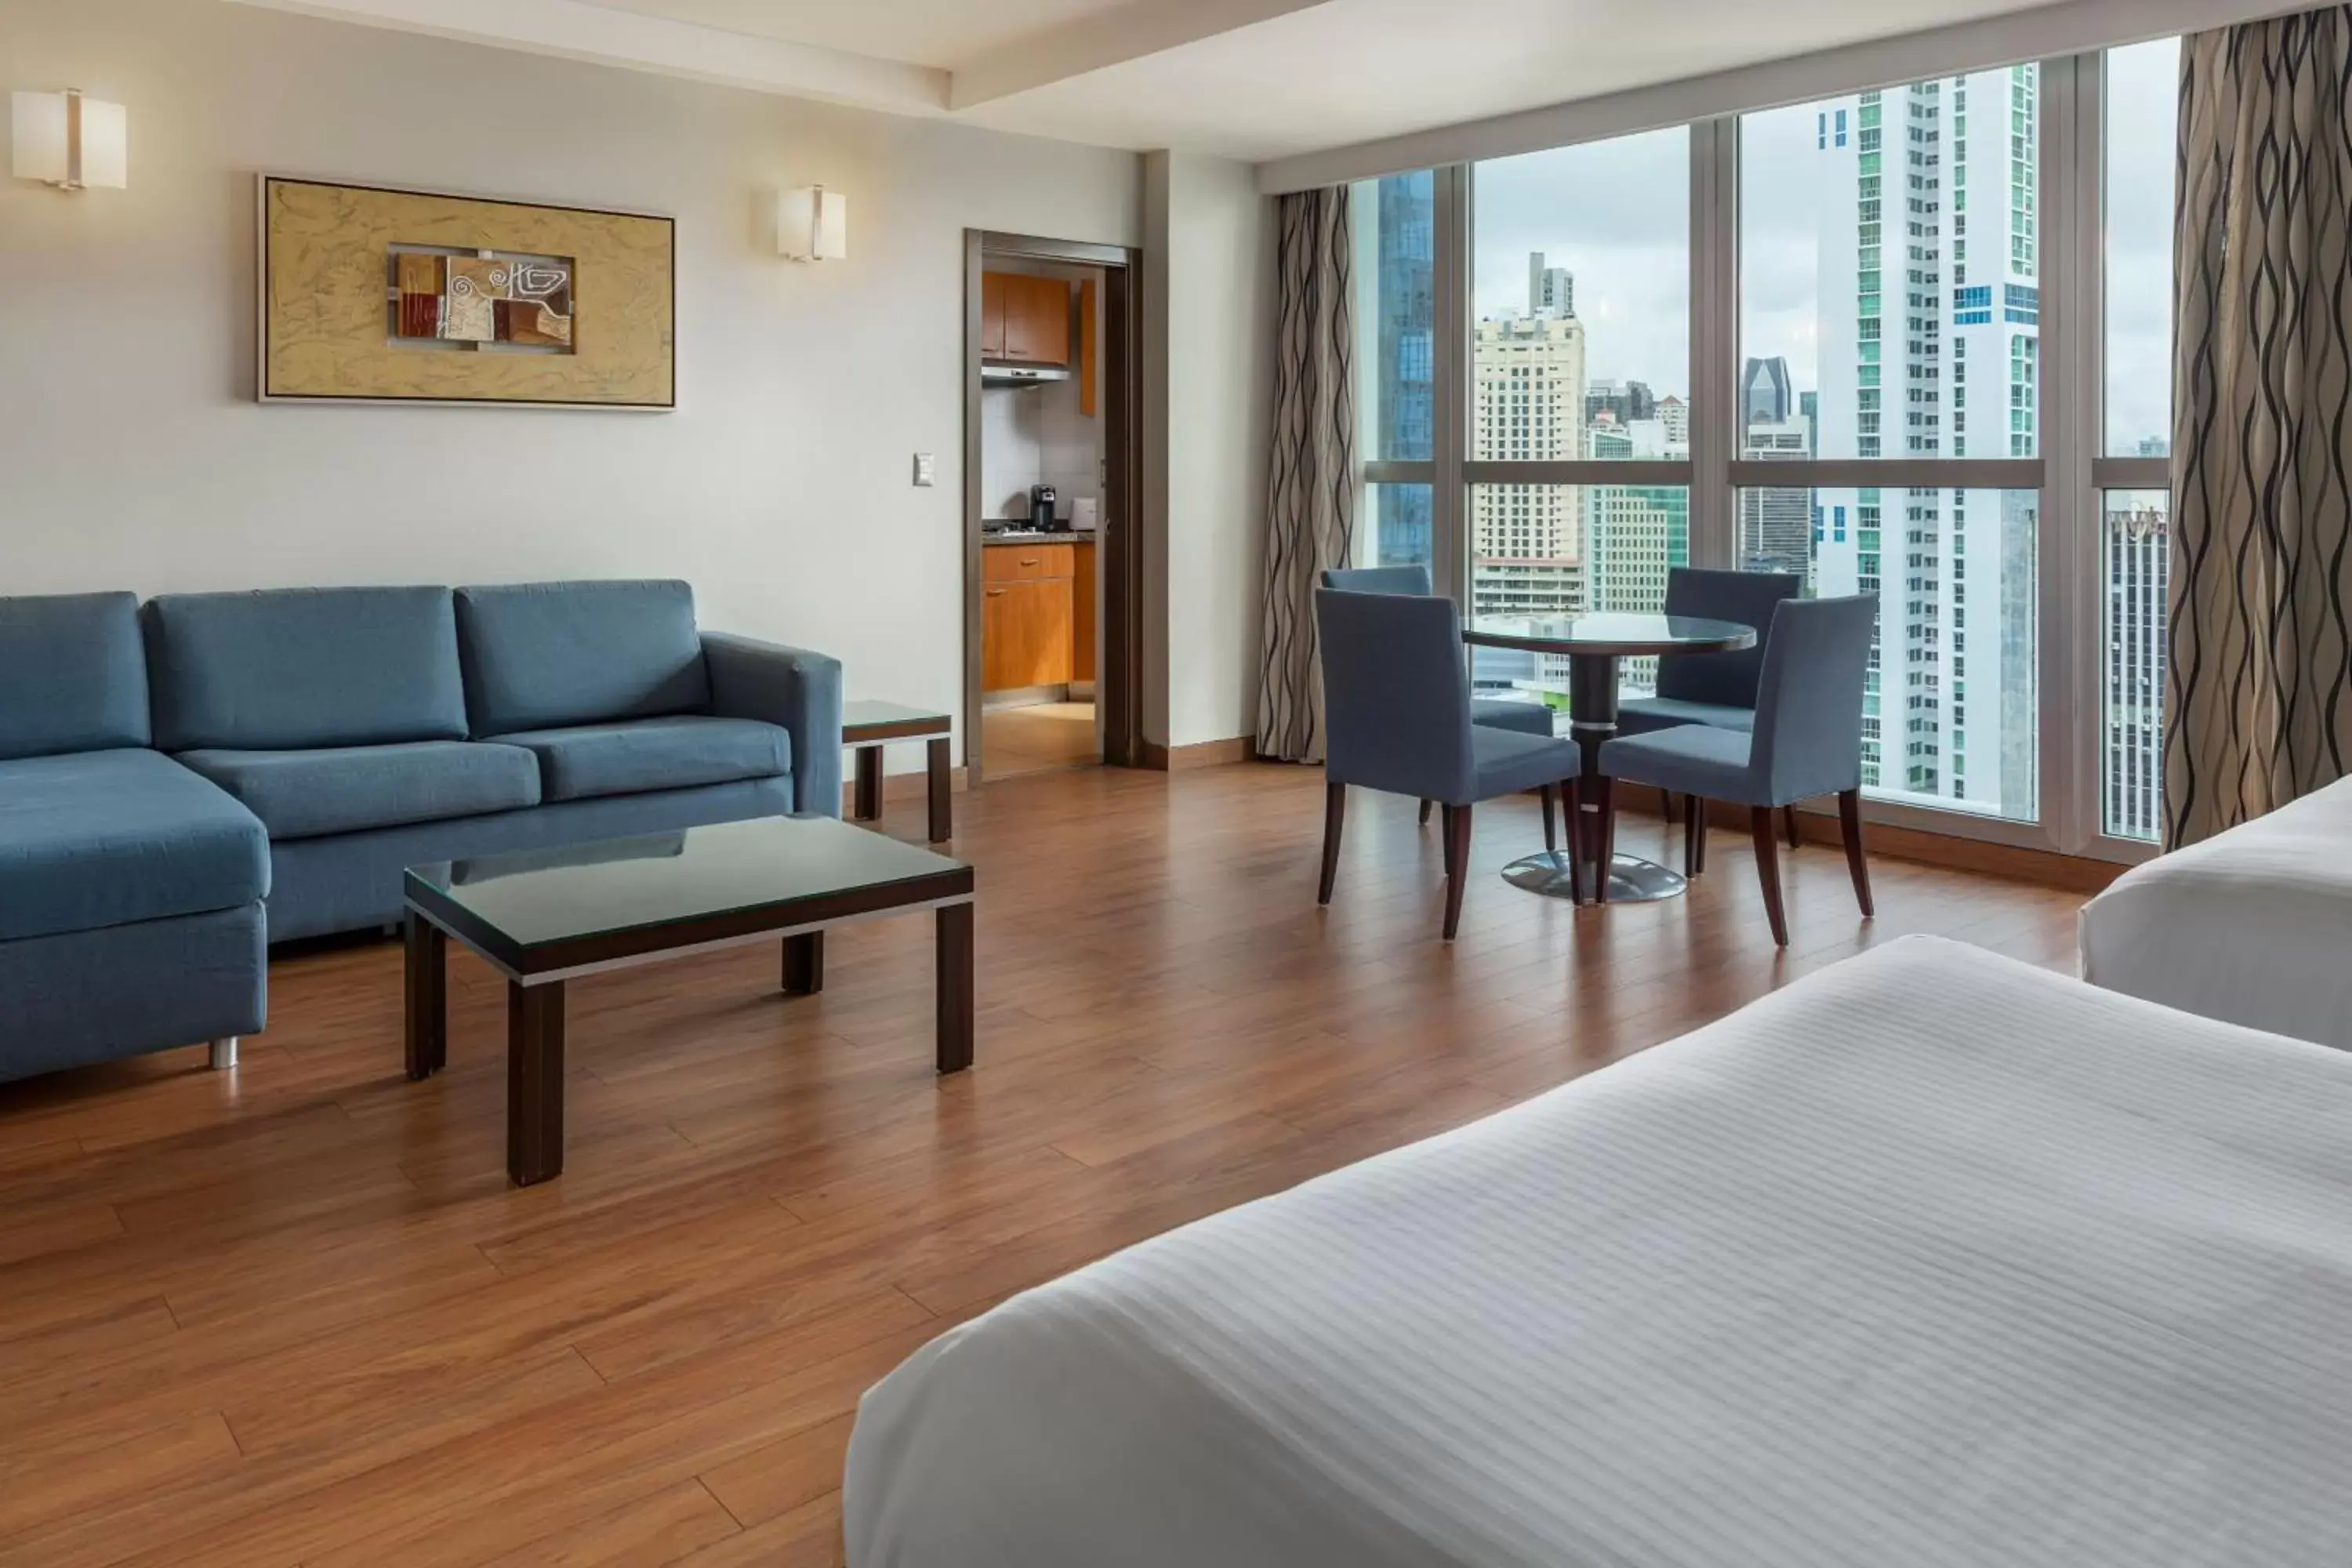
point(1024, 629)
point(1025, 320)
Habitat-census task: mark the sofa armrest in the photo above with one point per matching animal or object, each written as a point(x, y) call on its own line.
point(788, 685)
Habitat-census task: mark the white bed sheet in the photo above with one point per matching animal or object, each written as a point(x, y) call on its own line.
point(2252, 926)
point(1930, 1260)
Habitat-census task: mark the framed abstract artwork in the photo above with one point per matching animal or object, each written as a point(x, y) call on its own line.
point(373, 295)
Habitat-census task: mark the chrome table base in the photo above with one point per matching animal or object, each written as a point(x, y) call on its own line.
point(1631, 879)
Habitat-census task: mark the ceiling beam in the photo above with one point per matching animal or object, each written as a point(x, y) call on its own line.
point(2065, 28)
point(569, 30)
point(1105, 38)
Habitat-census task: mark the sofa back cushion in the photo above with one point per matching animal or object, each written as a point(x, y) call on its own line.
point(286, 668)
point(71, 675)
point(538, 656)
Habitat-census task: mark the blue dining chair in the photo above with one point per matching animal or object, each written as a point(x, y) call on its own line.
point(1713, 689)
point(1397, 718)
point(1807, 741)
point(1526, 717)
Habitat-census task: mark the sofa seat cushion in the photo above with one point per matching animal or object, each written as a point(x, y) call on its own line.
point(91, 839)
point(677, 752)
point(348, 789)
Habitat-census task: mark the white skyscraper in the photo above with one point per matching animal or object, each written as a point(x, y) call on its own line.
point(1529, 404)
point(2138, 571)
point(1930, 315)
point(1552, 290)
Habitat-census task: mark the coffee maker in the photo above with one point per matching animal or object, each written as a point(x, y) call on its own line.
point(1041, 509)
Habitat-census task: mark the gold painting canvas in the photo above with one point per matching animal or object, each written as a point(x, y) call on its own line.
point(381, 295)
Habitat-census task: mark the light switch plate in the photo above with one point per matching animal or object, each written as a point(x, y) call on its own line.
point(927, 469)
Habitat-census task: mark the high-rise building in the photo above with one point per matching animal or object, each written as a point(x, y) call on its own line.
point(1526, 539)
point(1765, 396)
point(1635, 535)
point(1404, 335)
point(1552, 290)
point(1675, 413)
point(1623, 402)
point(1778, 526)
point(1930, 347)
point(2138, 550)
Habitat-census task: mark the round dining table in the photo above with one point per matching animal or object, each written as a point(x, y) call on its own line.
point(1593, 645)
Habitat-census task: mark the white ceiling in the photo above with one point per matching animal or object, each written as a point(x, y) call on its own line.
point(1255, 80)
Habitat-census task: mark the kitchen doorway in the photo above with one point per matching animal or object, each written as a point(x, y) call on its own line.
point(1052, 448)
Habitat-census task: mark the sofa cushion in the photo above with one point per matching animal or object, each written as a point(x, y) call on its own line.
point(72, 678)
point(641, 754)
point(344, 789)
point(288, 668)
point(103, 839)
point(543, 656)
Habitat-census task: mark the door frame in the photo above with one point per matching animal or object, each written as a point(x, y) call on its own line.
point(1118, 683)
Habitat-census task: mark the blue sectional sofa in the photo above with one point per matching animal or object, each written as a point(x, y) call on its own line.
point(185, 782)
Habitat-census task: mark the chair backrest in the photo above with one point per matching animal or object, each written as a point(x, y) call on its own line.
point(1808, 703)
point(1378, 580)
point(1396, 709)
point(1746, 598)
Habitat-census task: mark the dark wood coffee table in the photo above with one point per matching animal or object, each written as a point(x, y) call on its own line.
point(544, 916)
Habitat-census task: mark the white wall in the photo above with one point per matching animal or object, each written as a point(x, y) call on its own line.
point(133, 455)
point(1209, 301)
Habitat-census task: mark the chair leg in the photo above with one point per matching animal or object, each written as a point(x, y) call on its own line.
point(1551, 829)
point(1666, 806)
point(1789, 821)
point(1571, 800)
point(1458, 864)
point(1605, 853)
point(1335, 812)
point(1768, 867)
point(1424, 811)
point(1693, 836)
point(1857, 861)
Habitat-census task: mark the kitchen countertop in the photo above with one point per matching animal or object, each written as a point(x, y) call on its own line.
point(1010, 537)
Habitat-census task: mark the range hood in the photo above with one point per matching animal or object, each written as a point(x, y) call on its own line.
point(1004, 373)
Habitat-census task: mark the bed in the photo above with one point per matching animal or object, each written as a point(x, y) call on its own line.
point(1930, 1259)
point(2252, 926)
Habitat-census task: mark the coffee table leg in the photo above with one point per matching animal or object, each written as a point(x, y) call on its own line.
point(869, 783)
point(955, 979)
point(535, 1082)
point(942, 800)
point(427, 973)
point(804, 964)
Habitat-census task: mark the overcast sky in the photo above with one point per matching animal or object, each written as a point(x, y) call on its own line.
point(1617, 214)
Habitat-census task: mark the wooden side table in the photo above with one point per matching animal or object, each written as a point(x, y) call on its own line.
point(868, 727)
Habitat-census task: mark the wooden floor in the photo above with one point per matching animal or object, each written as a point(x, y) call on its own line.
point(295, 1315)
point(1036, 739)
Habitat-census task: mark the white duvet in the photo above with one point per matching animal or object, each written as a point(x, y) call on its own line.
point(2252, 926)
point(1931, 1259)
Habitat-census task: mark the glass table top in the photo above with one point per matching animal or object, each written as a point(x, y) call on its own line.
point(1609, 632)
point(544, 898)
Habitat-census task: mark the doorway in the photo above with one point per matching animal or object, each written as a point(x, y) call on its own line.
point(1052, 441)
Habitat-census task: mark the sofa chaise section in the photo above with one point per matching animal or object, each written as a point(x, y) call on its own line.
point(130, 889)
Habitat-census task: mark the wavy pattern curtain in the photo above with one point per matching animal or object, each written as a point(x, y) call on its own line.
point(1311, 479)
point(2260, 691)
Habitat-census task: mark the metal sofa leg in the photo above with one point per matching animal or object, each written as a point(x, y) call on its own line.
point(223, 1054)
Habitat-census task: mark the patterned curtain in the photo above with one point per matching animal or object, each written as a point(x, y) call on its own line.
point(1311, 481)
point(2260, 691)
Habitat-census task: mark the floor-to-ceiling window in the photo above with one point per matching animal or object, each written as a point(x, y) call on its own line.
point(2139, 104)
point(1911, 340)
point(1580, 390)
point(1890, 319)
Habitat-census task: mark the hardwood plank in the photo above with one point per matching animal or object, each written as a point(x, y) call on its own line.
point(301, 1317)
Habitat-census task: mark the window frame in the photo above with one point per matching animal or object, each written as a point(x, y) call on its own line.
point(2071, 473)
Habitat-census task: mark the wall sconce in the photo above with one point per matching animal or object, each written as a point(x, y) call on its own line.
point(71, 142)
point(813, 223)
